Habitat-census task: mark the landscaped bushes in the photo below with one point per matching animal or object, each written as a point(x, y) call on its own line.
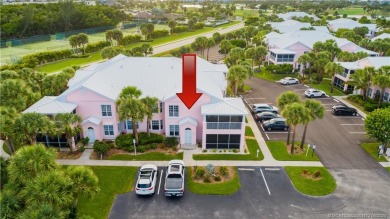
point(154, 138)
point(125, 141)
point(370, 104)
point(96, 47)
point(48, 56)
point(280, 69)
point(199, 25)
point(130, 39)
point(180, 29)
point(171, 141)
point(160, 33)
point(239, 43)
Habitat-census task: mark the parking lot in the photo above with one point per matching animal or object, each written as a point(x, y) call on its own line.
point(337, 137)
point(264, 193)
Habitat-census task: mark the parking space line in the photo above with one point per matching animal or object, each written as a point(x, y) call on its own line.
point(326, 98)
point(159, 185)
point(362, 118)
point(299, 89)
point(336, 100)
point(351, 124)
point(265, 182)
point(305, 85)
point(276, 132)
point(246, 169)
point(358, 132)
point(293, 85)
point(262, 128)
point(266, 135)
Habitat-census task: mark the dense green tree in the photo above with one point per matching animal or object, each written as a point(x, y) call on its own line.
point(210, 43)
point(225, 46)
point(383, 82)
point(236, 76)
point(377, 124)
point(217, 37)
point(235, 56)
point(68, 124)
point(110, 52)
point(146, 49)
point(151, 106)
point(303, 60)
point(362, 80)
point(331, 69)
point(316, 111)
point(7, 123)
point(29, 125)
point(285, 99)
point(82, 39)
point(172, 24)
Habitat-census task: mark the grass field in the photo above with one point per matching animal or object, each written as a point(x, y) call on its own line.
point(325, 86)
point(279, 152)
point(246, 13)
point(112, 181)
point(372, 149)
point(316, 187)
point(351, 11)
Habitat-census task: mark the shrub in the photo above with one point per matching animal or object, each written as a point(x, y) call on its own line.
point(79, 56)
point(207, 179)
point(199, 173)
point(130, 39)
point(180, 29)
point(224, 171)
point(85, 141)
point(82, 148)
point(101, 147)
point(160, 33)
point(217, 178)
point(153, 138)
point(305, 171)
point(47, 56)
point(369, 107)
point(317, 174)
point(180, 51)
point(171, 141)
point(204, 150)
point(153, 146)
point(199, 25)
point(235, 150)
point(96, 47)
point(124, 141)
point(141, 149)
point(385, 104)
point(239, 43)
point(280, 69)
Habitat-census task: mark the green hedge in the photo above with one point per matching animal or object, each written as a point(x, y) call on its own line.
point(130, 39)
point(239, 43)
point(47, 56)
point(180, 29)
point(160, 33)
point(96, 47)
point(279, 69)
point(125, 141)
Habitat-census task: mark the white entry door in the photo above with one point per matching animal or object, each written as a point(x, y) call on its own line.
point(188, 136)
point(91, 135)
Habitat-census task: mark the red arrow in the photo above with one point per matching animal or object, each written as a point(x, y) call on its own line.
point(189, 95)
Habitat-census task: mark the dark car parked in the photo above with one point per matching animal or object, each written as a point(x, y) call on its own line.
point(275, 124)
point(342, 109)
point(264, 116)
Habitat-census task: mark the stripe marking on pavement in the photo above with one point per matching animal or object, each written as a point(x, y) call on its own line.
point(266, 135)
point(336, 100)
point(277, 132)
point(246, 169)
point(362, 118)
point(358, 132)
point(265, 182)
point(159, 185)
point(272, 169)
point(346, 117)
point(351, 124)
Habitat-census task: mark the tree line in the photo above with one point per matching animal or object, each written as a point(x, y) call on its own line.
point(38, 19)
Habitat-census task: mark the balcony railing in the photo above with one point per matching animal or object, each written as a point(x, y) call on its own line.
point(224, 125)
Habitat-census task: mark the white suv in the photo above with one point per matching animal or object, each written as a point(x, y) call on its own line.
point(146, 182)
point(262, 107)
point(314, 93)
point(289, 80)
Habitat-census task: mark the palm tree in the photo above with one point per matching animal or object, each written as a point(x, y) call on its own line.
point(250, 53)
point(146, 49)
point(73, 42)
point(260, 53)
point(42, 210)
point(210, 43)
point(303, 60)
point(150, 108)
point(382, 81)
point(285, 99)
point(295, 113)
point(82, 38)
point(234, 56)
point(7, 123)
point(172, 25)
point(68, 124)
point(362, 80)
point(84, 182)
point(319, 65)
point(225, 46)
point(332, 69)
point(29, 125)
point(316, 111)
point(236, 76)
point(130, 106)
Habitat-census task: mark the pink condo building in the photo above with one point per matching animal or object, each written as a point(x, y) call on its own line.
point(215, 120)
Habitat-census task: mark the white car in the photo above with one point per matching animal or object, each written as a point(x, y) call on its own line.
point(289, 80)
point(314, 93)
point(147, 178)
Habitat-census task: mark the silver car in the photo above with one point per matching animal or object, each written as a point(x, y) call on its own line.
point(314, 93)
point(289, 80)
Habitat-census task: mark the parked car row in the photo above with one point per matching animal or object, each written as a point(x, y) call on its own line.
point(174, 179)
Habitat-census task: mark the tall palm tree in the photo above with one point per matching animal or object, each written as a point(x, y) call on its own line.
point(7, 123)
point(332, 69)
point(84, 182)
point(235, 55)
point(150, 107)
point(383, 82)
point(250, 53)
point(362, 80)
point(316, 111)
point(225, 46)
point(295, 114)
point(29, 125)
point(236, 76)
point(172, 25)
point(131, 107)
point(210, 43)
point(303, 60)
point(285, 99)
point(260, 53)
point(68, 124)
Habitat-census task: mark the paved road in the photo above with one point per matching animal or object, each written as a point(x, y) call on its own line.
point(186, 41)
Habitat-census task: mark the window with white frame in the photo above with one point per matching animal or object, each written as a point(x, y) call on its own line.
point(173, 130)
point(155, 125)
point(108, 130)
point(129, 124)
point(173, 111)
point(106, 110)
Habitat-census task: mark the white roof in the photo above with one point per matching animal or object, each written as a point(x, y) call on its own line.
point(306, 38)
point(48, 105)
point(288, 26)
point(188, 119)
point(159, 77)
point(321, 28)
point(282, 51)
point(376, 62)
point(349, 24)
point(382, 36)
point(289, 15)
point(229, 106)
point(92, 119)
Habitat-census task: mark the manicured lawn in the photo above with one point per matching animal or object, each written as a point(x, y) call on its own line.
point(279, 152)
point(246, 13)
point(250, 143)
point(372, 149)
point(59, 65)
point(224, 188)
point(147, 156)
point(248, 131)
point(351, 11)
point(112, 181)
point(264, 74)
point(387, 168)
point(324, 186)
point(325, 86)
